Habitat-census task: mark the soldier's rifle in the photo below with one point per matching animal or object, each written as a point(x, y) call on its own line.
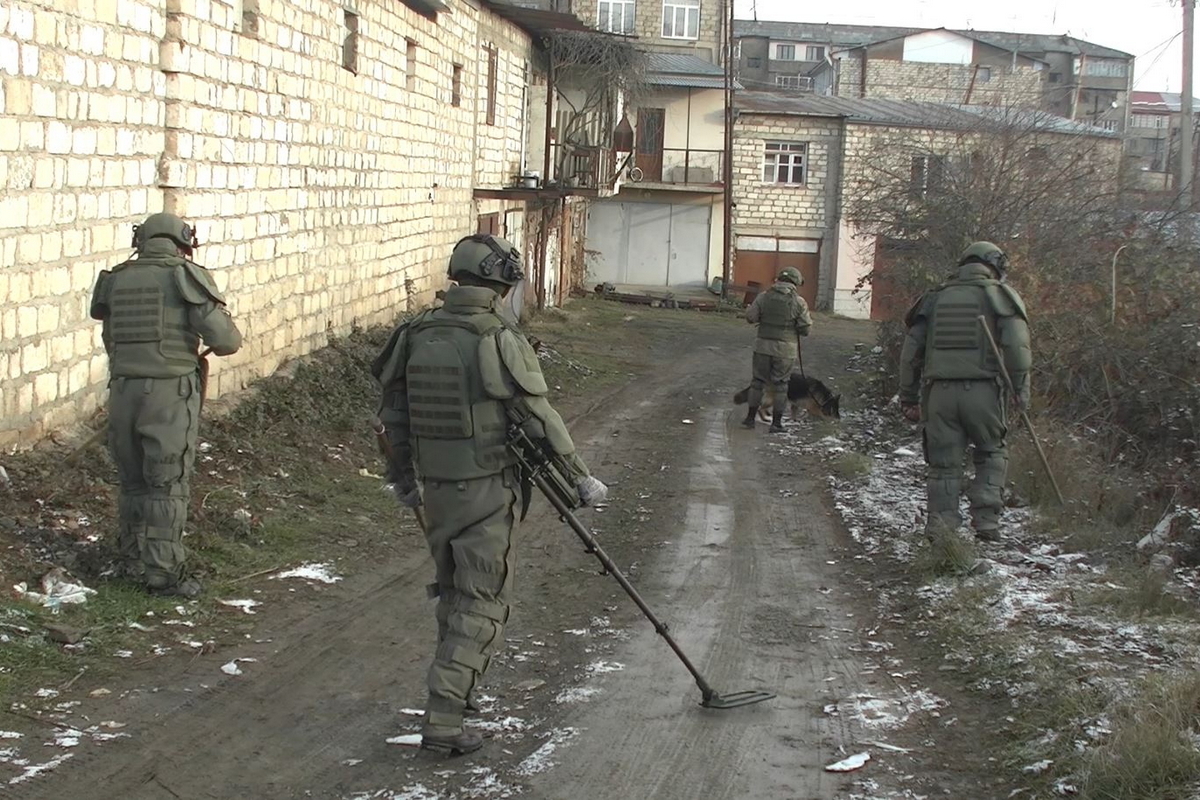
point(549, 473)
point(1012, 389)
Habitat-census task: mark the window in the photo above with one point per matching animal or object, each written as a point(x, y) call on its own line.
point(814, 52)
point(754, 62)
point(785, 52)
point(350, 43)
point(926, 175)
point(456, 85)
point(1108, 124)
point(785, 163)
point(410, 64)
point(802, 82)
point(245, 19)
point(491, 85)
point(983, 74)
point(615, 16)
point(1056, 77)
point(1102, 67)
point(1148, 121)
point(681, 19)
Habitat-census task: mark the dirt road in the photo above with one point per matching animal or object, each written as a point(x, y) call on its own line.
point(732, 544)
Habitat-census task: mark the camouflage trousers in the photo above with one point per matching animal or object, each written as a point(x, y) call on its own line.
point(770, 371)
point(958, 414)
point(152, 429)
point(469, 529)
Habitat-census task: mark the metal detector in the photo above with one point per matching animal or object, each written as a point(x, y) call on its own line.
point(541, 465)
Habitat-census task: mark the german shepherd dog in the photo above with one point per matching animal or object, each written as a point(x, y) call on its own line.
point(815, 396)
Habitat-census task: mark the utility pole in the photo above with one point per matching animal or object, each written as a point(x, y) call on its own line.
point(727, 237)
point(1187, 121)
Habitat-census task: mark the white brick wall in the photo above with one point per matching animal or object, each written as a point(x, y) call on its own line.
point(323, 197)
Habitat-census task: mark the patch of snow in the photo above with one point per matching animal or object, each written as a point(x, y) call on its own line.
point(67, 737)
point(576, 694)
point(10, 735)
point(413, 712)
point(541, 759)
point(323, 573)
point(502, 725)
point(406, 740)
point(577, 632)
point(247, 607)
point(33, 770)
point(418, 791)
point(46, 693)
point(1037, 768)
point(601, 667)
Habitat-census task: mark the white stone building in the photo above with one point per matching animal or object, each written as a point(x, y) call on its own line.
point(329, 153)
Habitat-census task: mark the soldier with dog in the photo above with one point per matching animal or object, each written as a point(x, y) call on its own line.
point(950, 381)
point(782, 317)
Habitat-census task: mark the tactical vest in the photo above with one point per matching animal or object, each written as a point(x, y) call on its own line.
point(776, 318)
point(458, 431)
point(147, 326)
point(956, 347)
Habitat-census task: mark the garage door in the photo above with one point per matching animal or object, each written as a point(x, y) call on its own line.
point(760, 258)
point(648, 244)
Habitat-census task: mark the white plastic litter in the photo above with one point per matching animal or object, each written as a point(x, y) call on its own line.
point(57, 591)
point(322, 573)
point(856, 761)
point(406, 740)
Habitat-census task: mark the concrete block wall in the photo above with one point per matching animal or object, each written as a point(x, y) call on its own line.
point(768, 205)
point(950, 83)
point(81, 130)
point(324, 197)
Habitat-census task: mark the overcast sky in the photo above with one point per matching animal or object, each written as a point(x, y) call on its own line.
point(1149, 29)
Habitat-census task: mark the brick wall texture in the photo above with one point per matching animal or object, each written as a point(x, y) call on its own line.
point(762, 203)
point(889, 79)
point(324, 197)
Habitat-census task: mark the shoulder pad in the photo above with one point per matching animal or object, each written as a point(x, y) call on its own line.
point(1005, 301)
point(386, 364)
point(522, 362)
point(920, 308)
point(197, 285)
point(99, 307)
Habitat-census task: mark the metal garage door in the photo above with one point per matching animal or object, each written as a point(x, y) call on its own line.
point(760, 258)
point(649, 244)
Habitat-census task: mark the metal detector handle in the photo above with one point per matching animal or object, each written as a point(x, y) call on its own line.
point(1012, 389)
point(590, 542)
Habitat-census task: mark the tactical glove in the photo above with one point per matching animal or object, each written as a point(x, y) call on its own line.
point(592, 491)
point(911, 412)
point(408, 493)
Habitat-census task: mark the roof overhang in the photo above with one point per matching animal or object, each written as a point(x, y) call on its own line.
point(534, 21)
point(428, 8)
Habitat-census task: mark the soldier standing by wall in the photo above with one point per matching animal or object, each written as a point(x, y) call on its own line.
point(781, 315)
point(448, 377)
point(156, 309)
point(949, 379)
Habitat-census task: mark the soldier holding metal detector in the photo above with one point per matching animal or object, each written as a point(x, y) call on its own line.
point(450, 377)
point(464, 424)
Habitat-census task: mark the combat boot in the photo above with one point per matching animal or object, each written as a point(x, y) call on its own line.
point(456, 744)
point(748, 422)
point(162, 586)
point(777, 422)
point(470, 709)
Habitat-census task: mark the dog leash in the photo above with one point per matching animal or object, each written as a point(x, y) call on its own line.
point(800, 357)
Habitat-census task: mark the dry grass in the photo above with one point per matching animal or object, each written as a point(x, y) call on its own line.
point(946, 554)
point(1152, 753)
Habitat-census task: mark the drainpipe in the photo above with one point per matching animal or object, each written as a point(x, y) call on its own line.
point(687, 138)
point(549, 114)
point(834, 224)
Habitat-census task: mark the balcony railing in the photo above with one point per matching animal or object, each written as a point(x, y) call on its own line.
point(680, 167)
point(582, 166)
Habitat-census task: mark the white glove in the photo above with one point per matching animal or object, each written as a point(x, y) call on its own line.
point(592, 491)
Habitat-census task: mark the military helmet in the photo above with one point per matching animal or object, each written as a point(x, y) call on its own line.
point(985, 253)
point(165, 226)
point(488, 258)
point(791, 275)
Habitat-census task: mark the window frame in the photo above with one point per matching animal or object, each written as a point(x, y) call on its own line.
point(456, 73)
point(628, 27)
point(672, 10)
point(780, 155)
point(492, 86)
point(350, 24)
point(808, 52)
point(779, 48)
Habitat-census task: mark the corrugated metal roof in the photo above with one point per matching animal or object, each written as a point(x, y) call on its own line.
point(677, 63)
point(1161, 102)
point(855, 35)
point(686, 71)
point(536, 21)
point(905, 113)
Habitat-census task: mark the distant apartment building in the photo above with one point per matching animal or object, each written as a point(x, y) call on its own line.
point(1066, 76)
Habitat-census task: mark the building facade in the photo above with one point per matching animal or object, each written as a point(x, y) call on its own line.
point(329, 154)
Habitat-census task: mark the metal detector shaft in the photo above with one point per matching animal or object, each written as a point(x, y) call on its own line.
point(593, 547)
point(1012, 388)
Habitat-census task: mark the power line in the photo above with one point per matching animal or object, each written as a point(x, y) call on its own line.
point(1165, 46)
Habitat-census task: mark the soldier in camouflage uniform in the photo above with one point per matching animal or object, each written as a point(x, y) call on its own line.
point(781, 315)
point(156, 309)
point(448, 376)
point(949, 379)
